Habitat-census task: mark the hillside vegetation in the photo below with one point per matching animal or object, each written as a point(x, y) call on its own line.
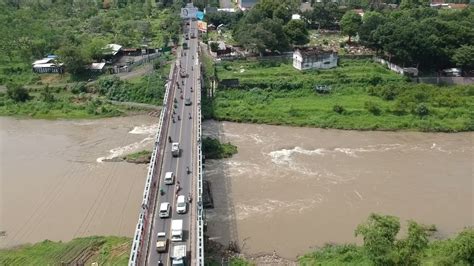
point(363, 95)
point(110, 250)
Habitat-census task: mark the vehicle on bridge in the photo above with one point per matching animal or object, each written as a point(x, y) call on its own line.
point(169, 178)
point(161, 242)
point(183, 73)
point(175, 149)
point(181, 204)
point(188, 101)
point(176, 230)
point(178, 258)
point(165, 209)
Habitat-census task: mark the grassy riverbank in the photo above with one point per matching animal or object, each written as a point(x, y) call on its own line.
point(213, 149)
point(363, 96)
point(62, 104)
point(109, 250)
point(138, 157)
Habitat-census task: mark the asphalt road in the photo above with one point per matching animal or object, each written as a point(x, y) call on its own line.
point(182, 131)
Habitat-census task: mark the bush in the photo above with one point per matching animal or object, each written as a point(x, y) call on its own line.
point(373, 108)
point(421, 110)
point(17, 93)
point(338, 109)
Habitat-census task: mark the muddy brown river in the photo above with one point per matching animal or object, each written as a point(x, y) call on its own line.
point(289, 190)
point(54, 186)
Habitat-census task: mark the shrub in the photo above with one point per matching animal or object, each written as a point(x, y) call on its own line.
point(373, 108)
point(17, 93)
point(338, 109)
point(421, 110)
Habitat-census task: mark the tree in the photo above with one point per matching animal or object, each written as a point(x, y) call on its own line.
point(410, 4)
point(350, 23)
point(95, 49)
point(464, 57)
point(371, 21)
point(296, 32)
point(379, 232)
point(17, 93)
point(73, 58)
point(214, 47)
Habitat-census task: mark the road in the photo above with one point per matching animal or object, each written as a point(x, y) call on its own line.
point(182, 130)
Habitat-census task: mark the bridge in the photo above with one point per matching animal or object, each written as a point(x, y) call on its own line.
point(179, 122)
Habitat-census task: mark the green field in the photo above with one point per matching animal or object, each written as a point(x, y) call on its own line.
point(109, 250)
point(364, 96)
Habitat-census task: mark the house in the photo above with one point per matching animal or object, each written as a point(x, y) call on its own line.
point(97, 67)
point(48, 65)
point(314, 58)
point(246, 4)
point(210, 10)
point(112, 52)
point(296, 16)
point(222, 49)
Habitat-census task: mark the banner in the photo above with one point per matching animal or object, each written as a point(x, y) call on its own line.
point(200, 15)
point(188, 12)
point(202, 26)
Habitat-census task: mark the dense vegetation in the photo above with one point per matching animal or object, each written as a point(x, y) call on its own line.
point(213, 149)
point(138, 157)
point(58, 102)
point(103, 250)
point(414, 35)
point(421, 37)
point(363, 95)
point(77, 31)
point(381, 246)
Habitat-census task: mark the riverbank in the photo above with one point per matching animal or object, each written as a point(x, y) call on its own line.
point(110, 250)
point(360, 95)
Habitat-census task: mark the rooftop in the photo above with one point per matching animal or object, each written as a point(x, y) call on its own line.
point(314, 51)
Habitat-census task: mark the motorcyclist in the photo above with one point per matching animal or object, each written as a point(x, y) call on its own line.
point(189, 115)
point(179, 118)
point(169, 139)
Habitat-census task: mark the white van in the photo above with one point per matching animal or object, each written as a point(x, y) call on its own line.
point(181, 204)
point(165, 209)
point(169, 178)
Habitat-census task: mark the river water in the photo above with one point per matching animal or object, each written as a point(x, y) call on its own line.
point(54, 186)
point(289, 190)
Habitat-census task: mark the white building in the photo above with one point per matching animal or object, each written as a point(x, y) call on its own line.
point(314, 58)
point(48, 65)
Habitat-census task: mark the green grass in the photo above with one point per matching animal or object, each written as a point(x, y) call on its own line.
point(109, 250)
point(213, 149)
point(273, 92)
point(66, 105)
point(138, 157)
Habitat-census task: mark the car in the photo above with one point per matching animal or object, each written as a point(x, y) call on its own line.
point(165, 209)
point(181, 205)
point(161, 242)
point(188, 101)
point(169, 178)
point(175, 150)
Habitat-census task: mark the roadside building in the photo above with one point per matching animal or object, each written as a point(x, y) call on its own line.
point(97, 67)
point(246, 4)
point(48, 65)
point(112, 52)
point(314, 58)
point(222, 49)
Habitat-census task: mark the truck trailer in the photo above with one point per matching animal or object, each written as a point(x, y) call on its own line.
point(176, 230)
point(178, 257)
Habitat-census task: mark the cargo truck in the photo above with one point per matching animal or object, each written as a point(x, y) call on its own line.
point(176, 230)
point(178, 257)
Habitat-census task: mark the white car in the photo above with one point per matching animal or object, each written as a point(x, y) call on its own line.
point(165, 209)
point(169, 178)
point(181, 205)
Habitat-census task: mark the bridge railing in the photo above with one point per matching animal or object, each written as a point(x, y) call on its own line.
point(140, 238)
point(200, 208)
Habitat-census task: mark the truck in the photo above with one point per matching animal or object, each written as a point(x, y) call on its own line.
point(178, 257)
point(175, 149)
point(161, 242)
point(176, 230)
